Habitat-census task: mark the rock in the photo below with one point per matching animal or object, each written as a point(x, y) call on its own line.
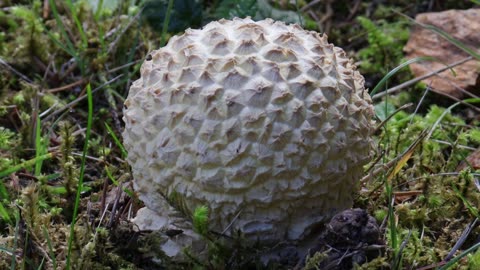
point(464, 25)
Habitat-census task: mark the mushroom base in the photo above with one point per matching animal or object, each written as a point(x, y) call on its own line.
point(177, 234)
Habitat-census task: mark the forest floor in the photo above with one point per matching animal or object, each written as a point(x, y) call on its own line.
point(66, 192)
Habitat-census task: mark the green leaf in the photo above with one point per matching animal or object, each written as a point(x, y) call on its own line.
point(384, 109)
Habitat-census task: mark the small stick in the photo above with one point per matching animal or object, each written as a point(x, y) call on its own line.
point(16, 72)
point(73, 103)
point(65, 87)
point(414, 81)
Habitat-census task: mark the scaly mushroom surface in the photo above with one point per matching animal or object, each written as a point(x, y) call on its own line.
point(266, 124)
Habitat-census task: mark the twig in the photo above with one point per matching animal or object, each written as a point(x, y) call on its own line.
point(354, 10)
point(89, 157)
point(458, 88)
point(46, 9)
point(16, 72)
point(65, 87)
point(73, 103)
point(316, 19)
point(392, 162)
point(112, 104)
point(124, 66)
point(233, 221)
point(310, 5)
point(461, 240)
point(419, 103)
point(396, 261)
point(391, 115)
point(113, 45)
point(456, 99)
point(69, 68)
point(115, 205)
point(415, 80)
point(454, 145)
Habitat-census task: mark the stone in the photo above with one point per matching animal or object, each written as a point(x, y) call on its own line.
point(464, 25)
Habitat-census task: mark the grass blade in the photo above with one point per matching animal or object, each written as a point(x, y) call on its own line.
point(6, 250)
point(60, 24)
point(166, 22)
point(50, 248)
point(61, 45)
point(116, 183)
point(446, 36)
point(116, 140)
point(452, 40)
point(3, 192)
point(460, 256)
point(82, 172)
point(391, 219)
point(467, 204)
point(70, 48)
point(389, 190)
point(299, 14)
point(99, 10)
point(39, 147)
point(13, 265)
point(40, 267)
point(395, 70)
point(4, 214)
point(447, 111)
point(406, 156)
point(83, 36)
point(397, 262)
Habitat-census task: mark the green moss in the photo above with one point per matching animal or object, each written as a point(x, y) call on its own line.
point(435, 205)
point(28, 34)
point(474, 260)
point(7, 139)
point(386, 41)
point(311, 262)
point(200, 220)
point(380, 215)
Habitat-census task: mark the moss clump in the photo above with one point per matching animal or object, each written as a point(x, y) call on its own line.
point(432, 202)
point(385, 45)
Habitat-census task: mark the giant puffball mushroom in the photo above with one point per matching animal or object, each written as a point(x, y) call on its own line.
point(266, 124)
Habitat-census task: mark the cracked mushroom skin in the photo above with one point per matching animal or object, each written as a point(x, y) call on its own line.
point(266, 124)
